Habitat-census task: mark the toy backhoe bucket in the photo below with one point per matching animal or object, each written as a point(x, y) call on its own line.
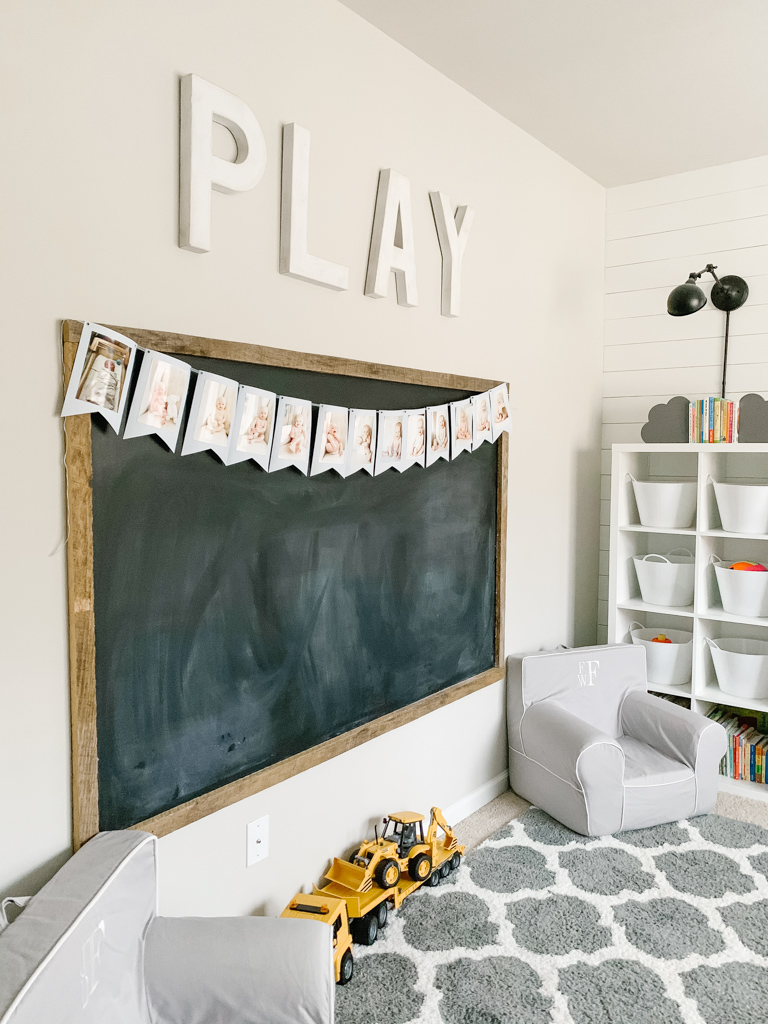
point(352, 876)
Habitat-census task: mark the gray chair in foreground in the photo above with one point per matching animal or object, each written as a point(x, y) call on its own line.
point(591, 747)
point(90, 949)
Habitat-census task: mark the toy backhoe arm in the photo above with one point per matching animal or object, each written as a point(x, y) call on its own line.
point(437, 817)
point(438, 820)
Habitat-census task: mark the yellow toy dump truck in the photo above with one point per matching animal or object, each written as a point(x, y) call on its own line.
point(384, 870)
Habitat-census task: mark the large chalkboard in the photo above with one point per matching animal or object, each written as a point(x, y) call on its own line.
point(242, 618)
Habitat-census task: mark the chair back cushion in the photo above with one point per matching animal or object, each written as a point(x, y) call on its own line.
point(76, 952)
point(590, 682)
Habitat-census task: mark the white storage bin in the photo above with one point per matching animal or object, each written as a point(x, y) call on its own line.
point(665, 504)
point(666, 664)
point(742, 592)
point(741, 666)
point(666, 579)
point(743, 507)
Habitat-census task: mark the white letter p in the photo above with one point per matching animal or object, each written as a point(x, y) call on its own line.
point(201, 104)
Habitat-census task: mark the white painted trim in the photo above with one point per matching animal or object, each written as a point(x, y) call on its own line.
point(476, 799)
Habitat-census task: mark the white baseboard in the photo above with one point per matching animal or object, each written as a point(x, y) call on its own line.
point(476, 799)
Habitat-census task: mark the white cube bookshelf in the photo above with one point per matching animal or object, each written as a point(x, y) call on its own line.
point(731, 463)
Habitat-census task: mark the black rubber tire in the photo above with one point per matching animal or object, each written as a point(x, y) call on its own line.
point(456, 861)
point(416, 867)
point(367, 929)
point(382, 912)
point(346, 968)
point(354, 854)
point(434, 878)
point(383, 869)
point(445, 869)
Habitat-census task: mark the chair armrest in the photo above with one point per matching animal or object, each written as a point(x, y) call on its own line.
point(677, 732)
point(239, 970)
point(569, 747)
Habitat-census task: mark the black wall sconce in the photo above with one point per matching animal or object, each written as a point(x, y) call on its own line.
point(728, 293)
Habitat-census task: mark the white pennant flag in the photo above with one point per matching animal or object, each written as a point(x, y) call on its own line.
point(361, 441)
point(390, 447)
point(438, 434)
point(211, 415)
point(481, 420)
point(101, 374)
point(292, 431)
point(159, 398)
point(331, 445)
point(461, 427)
point(253, 427)
point(415, 453)
point(500, 418)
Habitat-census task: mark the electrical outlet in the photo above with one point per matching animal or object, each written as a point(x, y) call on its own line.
point(256, 841)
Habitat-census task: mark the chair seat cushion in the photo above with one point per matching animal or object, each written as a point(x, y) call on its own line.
point(646, 766)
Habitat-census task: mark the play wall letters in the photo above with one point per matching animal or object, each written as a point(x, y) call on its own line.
point(392, 243)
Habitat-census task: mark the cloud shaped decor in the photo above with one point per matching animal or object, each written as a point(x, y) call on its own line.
point(753, 419)
point(668, 423)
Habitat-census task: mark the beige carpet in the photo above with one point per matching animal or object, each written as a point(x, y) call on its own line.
point(505, 808)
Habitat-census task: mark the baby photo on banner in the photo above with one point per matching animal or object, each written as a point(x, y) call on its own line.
point(211, 415)
point(499, 410)
point(253, 426)
point(158, 401)
point(361, 441)
point(292, 432)
point(390, 448)
point(461, 427)
point(331, 440)
point(101, 374)
point(437, 434)
point(416, 438)
point(481, 420)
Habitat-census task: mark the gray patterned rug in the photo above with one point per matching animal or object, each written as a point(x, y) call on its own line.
point(660, 926)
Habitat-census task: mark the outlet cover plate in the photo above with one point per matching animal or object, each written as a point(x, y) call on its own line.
point(256, 840)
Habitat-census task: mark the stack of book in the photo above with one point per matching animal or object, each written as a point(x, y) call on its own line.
point(747, 756)
point(711, 421)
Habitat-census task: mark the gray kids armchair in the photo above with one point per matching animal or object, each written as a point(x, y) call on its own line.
point(591, 747)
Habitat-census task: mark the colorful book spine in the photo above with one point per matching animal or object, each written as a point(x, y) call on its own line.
point(711, 421)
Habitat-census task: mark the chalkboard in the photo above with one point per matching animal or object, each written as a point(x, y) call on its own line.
point(241, 618)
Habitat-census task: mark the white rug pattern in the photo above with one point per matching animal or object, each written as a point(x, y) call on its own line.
point(666, 925)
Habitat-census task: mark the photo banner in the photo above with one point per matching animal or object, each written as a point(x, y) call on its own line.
point(239, 422)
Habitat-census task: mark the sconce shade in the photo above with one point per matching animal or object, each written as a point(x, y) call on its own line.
point(686, 298)
point(729, 292)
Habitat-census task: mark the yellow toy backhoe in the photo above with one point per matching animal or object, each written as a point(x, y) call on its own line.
point(384, 870)
point(405, 849)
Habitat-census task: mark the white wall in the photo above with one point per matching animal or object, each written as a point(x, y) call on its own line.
point(88, 185)
point(657, 232)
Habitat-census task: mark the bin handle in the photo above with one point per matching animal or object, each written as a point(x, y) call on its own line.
point(630, 477)
point(716, 560)
point(681, 551)
point(634, 623)
point(712, 643)
point(661, 558)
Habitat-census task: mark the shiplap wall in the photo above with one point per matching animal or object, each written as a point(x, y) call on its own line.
point(657, 232)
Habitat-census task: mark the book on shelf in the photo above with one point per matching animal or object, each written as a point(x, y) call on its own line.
point(711, 421)
point(747, 755)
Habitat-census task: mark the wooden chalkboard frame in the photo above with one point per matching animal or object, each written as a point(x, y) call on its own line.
point(80, 584)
